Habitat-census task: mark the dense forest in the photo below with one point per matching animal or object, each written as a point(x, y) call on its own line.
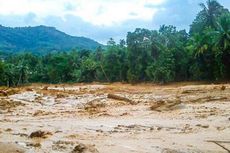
point(162, 55)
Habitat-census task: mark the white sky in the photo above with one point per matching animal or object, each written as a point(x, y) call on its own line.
point(100, 19)
point(96, 12)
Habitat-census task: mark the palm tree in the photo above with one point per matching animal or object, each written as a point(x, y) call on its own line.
point(199, 44)
point(22, 74)
point(223, 33)
point(222, 41)
point(10, 75)
point(210, 12)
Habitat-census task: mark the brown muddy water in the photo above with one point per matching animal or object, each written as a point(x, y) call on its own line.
point(115, 118)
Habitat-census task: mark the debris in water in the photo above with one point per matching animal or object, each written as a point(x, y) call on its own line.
point(45, 88)
point(163, 105)
point(8, 104)
point(223, 88)
point(116, 97)
point(9, 92)
point(203, 126)
point(40, 134)
point(82, 148)
point(35, 145)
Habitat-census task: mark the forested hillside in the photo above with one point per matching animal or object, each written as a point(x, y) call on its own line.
point(162, 55)
point(41, 40)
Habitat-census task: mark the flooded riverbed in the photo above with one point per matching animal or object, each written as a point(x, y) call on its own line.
point(142, 118)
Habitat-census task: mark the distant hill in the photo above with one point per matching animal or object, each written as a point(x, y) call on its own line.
point(41, 39)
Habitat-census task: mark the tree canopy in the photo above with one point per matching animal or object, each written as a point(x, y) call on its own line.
point(162, 55)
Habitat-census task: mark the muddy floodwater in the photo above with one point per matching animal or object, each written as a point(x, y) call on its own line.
point(115, 118)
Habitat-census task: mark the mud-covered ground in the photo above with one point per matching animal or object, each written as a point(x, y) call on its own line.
point(115, 118)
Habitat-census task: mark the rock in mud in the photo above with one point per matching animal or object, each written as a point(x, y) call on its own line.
point(35, 145)
point(116, 97)
point(171, 151)
point(40, 134)
point(3, 93)
point(62, 146)
point(29, 89)
point(45, 88)
point(41, 113)
point(203, 126)
point(162, 105)
point(82, 148)
point(94, 107)
point(60, 96)
point(223, 88)
point(157, 105)
point(8, 130)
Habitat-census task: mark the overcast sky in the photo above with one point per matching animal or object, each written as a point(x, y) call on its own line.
point(100, 19)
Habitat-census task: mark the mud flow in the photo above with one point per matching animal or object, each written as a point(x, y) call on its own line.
point(115, 118)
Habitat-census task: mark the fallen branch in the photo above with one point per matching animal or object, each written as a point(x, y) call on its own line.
point(190, 91)
point(218, 143)
point(208, 99)
point(116, 97)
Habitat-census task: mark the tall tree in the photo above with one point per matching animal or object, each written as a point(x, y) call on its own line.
point(207, 16)
point(139, 50)
point(222, 43)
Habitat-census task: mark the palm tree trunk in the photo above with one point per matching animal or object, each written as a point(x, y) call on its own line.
point(104, 73)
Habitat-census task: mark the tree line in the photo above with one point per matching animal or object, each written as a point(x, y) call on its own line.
point(162, 55)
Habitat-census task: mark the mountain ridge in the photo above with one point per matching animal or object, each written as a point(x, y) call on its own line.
point(41, 39)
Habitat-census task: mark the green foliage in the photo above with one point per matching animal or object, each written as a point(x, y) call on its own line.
point(2, 72)
point(162, 55)
point(208, 16)
point(209, 42)
point(115, 62)
point(162, 70)
point(139, 49)
point(88, 70)
point(222, 44)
